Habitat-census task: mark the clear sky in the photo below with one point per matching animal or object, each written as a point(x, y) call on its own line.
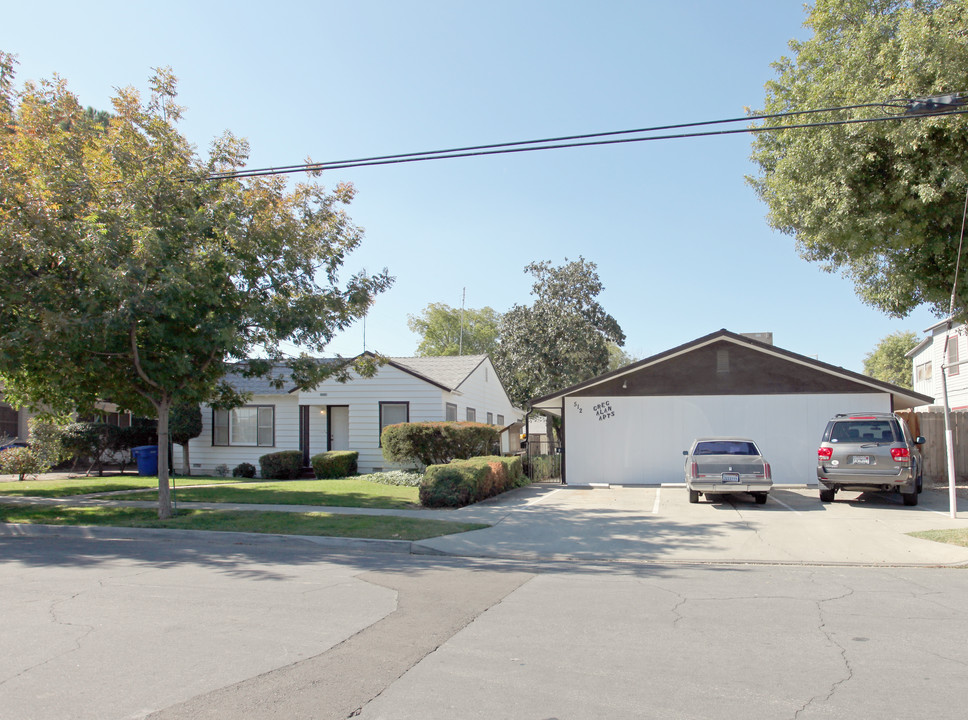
point(680, 240)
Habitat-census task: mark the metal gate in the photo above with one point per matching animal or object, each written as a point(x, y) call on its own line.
point(543, 459)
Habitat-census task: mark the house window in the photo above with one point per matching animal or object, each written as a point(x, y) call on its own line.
point(490, 418)
point(500, 420)
point(392, 413)
point(953, 356)
point(471, 415)
point(924, 372)
point(451, 415)
point(252, 425)
point(9, 422)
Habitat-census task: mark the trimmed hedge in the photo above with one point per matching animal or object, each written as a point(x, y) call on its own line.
point(246, 470)
point(463, 482)
point(284, 465)
point(334, 464)
point(434, 443)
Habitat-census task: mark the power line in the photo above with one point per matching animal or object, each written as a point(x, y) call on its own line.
point(924, 108)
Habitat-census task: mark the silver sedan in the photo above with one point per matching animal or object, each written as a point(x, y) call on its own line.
point(724, 465)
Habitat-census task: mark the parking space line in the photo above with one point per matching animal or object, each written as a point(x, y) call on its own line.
point(785, 505)
point(655, 505)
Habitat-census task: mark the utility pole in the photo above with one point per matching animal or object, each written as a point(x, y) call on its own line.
point(463, 297)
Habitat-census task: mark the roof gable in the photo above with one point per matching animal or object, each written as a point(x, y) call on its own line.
point(724, 363)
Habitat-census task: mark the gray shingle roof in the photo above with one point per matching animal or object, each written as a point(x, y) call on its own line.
point(446, 370)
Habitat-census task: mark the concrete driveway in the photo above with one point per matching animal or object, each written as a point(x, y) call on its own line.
point(658, 524)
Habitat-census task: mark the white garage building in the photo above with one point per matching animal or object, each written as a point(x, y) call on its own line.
point(631, 425)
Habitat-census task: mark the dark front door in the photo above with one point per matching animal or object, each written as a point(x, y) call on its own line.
point(304, 433)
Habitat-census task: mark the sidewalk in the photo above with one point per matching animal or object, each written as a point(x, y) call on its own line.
point(627, 524)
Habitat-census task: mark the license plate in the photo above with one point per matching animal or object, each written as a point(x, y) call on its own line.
point(862, 460)
point(730, 477)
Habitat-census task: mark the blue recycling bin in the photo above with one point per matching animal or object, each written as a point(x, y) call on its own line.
point(147, 458)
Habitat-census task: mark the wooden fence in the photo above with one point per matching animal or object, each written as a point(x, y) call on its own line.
point(931, 426)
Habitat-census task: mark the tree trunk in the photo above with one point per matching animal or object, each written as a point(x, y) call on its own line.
point(164, 492)
point(187, 470)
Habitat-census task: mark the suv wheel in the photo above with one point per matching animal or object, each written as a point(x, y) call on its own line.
point(827, 495)
point(910, 498)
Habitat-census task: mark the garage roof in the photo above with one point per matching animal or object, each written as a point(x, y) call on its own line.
point(726, 363)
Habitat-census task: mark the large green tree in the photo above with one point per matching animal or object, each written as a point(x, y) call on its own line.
point(129, 275)
point(881, 202)
point(445, 330)
point(888, 361)
point(560, 339)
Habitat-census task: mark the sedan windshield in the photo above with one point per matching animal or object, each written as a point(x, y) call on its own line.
point(725, 447)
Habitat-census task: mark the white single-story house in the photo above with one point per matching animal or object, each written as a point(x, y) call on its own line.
point(631, 425)
point(349, 415)
point(927, 358)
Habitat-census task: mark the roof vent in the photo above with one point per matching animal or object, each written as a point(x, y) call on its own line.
point(722, 361)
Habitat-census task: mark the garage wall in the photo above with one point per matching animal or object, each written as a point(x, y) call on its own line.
point(639, 440)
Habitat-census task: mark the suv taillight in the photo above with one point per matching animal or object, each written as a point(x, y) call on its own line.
point(900, 454)
point(825, 453)
point(694, 469)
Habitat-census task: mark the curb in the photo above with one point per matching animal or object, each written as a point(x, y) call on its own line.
point(213, 537)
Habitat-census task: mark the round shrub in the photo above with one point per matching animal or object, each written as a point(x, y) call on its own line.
point(246, 470)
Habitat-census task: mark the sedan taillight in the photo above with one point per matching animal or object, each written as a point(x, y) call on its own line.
point(825, 453)
point(900, 454)
point(766, 469)
point(694, 469)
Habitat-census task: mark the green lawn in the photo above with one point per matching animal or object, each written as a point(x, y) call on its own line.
point(87, 485)
point(957, 536)
point(352, 526)
point(347, 492)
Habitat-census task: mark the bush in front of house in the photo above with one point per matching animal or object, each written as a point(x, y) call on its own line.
point(463, 482)
point(402, 478)
point(246, 470)
point(334, 464)
point(23, 462)
point(283, 465)
point(435, 443)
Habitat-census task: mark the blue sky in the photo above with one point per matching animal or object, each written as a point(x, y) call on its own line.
point(680, 240)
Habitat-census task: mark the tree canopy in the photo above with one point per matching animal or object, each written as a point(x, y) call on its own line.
point(881, 202)
point(439, 327)
point(560, 339)
point(130, 275)
point(887, 361)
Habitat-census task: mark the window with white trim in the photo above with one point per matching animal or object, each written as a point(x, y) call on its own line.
point(392, 413)
point(471, 415)
point(451, 415)
point(500, 420)
point(250, 425)
point(490, 418)
point(953, 356)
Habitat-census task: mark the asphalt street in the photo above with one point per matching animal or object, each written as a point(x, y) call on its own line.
point(648, 608)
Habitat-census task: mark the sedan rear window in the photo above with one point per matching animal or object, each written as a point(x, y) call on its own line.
point(863, 431)
point(726, 447)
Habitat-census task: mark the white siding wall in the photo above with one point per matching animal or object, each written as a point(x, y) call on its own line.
point(642, 441)
point(363, 396)
point(205, 457)
point(957, 384)
point(483, 391)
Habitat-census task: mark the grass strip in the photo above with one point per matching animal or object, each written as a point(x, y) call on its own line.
point(957, 536)
point(347, 492)
point(281, 523)
point(88, 485)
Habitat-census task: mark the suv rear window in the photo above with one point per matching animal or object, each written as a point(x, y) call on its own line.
point(863, 431)
point(726, 447)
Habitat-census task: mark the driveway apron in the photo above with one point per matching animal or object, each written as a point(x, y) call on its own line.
point(658, 524)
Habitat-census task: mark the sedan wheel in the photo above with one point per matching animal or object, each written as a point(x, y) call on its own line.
point(693, 496)
point(760, 498)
